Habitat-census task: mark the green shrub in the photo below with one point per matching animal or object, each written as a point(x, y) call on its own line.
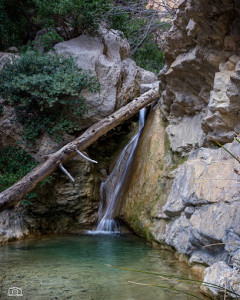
point(20, 19)
point(77, 16)
point(45, 90)
point(15, 163)
point(149, 57)
point(48, 40)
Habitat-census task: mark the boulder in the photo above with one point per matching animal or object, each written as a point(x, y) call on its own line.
point(12, 226)
point(107, 57)
point(220, 274)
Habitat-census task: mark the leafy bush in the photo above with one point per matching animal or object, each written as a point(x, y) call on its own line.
point(45, 91)
point(71, 16)
point(14, 164)
point(149, 57)
point(48, 40)
point(20, 19)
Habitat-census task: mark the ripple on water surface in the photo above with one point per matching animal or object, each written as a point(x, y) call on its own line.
point(75, 267)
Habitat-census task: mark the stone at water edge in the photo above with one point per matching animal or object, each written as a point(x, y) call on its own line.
point(222, 275)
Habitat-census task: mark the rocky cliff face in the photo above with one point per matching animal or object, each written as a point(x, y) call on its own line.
point(202, 73)
point(195, 209)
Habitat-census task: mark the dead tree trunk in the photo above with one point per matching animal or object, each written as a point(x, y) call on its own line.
point(14, 195)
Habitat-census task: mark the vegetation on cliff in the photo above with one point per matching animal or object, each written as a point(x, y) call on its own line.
point(14, 164)
point(45, 90)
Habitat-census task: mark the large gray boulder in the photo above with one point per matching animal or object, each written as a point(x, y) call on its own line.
point(107, 57)
point(203, 205)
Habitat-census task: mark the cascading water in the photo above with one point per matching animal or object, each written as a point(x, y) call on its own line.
point(112, 189)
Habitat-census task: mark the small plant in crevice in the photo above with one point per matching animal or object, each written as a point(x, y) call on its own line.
point(31, 197)
point(15, 163)
point(28, 199)
point(45, 90)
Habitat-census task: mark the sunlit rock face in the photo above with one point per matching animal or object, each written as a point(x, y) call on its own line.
point(147, 178)
point(203, 206)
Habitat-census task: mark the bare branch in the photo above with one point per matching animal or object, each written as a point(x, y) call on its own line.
point(66, 172)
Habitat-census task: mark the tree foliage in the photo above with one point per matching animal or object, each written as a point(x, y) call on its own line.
point(20, 19)
point(70, 17)
point(65, 19)
point(14, 164)
point(45, 90)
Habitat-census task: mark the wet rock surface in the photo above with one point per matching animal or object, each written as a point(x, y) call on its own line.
point(147, 181)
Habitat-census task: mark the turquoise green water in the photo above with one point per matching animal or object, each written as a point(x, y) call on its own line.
point(75, 267)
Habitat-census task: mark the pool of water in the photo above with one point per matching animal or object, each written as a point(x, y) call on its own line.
point(76, 267)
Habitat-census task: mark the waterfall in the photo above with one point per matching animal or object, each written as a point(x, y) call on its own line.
point(112, 189)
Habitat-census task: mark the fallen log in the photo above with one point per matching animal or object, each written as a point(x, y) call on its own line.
point(15, 194)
